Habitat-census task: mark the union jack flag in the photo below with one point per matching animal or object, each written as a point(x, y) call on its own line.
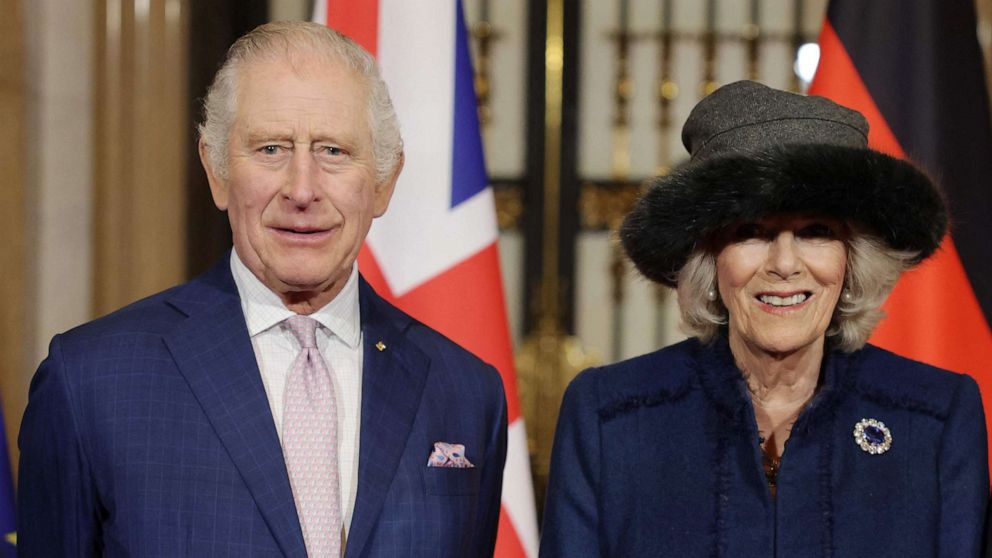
point(434, 253)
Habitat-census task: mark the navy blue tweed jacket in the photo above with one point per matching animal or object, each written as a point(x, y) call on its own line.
point(658, 456)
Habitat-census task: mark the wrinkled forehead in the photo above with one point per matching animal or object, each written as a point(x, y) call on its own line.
point(329, 87)
point(305, 63)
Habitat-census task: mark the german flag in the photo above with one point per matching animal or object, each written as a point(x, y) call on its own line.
point(914, 69)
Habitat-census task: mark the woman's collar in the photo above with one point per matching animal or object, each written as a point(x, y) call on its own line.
point(724, 384)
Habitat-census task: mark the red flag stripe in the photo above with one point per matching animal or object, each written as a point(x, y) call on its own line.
point(953, 319)
point(359, 19)
point(507, 541)
point(474, 292)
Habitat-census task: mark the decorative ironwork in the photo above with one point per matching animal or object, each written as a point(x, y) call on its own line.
point(710, 39)
point(509, 205)
point(752, 36)
point(667, 90)
point(603, 204)
point(623, 91)
point(484, 34)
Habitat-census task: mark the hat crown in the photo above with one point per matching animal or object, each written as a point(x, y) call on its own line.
point(748, 117)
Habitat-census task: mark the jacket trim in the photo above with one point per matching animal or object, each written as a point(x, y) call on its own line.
point(826, 494)
point(900, 402)
point(633, 403)
point(722, 469)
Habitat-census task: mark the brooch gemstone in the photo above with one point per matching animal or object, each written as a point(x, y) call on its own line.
point(872, 436)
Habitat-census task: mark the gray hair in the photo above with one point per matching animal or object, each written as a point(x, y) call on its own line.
point(289, 40)
point(872, 271)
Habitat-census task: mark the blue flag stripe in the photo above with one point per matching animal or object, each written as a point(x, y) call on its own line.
point(468, 168)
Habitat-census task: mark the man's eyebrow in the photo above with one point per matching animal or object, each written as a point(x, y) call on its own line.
point(261, 134)
point(339, 136)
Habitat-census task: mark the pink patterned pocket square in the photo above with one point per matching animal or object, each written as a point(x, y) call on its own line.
point(448, 455)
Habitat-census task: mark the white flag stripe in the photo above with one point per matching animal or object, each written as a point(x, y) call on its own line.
point(320, 11)
point(420, 68)
point(410, 252)
point(518, 490)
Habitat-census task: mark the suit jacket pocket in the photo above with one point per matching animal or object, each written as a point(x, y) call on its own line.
point(452, 480)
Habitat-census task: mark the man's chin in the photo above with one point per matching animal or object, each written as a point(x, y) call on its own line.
point(305, 286)
point(293, 286)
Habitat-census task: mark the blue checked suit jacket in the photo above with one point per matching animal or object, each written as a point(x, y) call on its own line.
point(148, 433)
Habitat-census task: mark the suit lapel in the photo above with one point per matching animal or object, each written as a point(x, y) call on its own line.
point(393, 380)
point(214, 353)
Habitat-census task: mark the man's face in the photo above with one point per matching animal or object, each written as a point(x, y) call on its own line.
point(301, 190)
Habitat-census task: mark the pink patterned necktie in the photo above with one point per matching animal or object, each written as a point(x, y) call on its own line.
point(310, 443)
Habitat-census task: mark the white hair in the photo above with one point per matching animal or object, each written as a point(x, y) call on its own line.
point(290, 41)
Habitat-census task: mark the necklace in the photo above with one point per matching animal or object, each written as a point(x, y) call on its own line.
point(771, 466)
point(771, 458)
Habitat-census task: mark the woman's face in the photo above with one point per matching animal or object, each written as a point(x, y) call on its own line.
point(780, 279)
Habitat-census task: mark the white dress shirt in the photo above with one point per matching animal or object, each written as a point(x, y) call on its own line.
point(339, 340)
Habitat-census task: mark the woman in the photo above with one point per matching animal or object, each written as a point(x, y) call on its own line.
point(775, 431)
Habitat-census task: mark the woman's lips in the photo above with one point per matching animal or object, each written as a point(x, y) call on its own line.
point(780, 301)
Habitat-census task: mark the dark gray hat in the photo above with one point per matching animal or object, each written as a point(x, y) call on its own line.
point(757, 151)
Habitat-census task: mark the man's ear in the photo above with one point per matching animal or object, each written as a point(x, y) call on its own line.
point(218, 185)
point(384, 190)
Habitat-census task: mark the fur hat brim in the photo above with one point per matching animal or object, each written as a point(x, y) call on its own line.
point(890, 198)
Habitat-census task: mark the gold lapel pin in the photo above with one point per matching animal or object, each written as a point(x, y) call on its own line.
point(381, 346)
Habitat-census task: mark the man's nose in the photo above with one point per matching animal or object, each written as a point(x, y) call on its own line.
point(301, 181)
point(783, 256)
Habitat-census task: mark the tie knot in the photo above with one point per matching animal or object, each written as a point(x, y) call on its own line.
point(304, 329)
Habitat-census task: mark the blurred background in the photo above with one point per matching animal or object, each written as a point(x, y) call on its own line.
point(104, 199)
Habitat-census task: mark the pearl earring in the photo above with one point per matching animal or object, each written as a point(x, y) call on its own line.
point(711, 295)
point(846, 296)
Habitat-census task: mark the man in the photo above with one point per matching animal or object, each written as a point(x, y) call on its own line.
point(275, 405)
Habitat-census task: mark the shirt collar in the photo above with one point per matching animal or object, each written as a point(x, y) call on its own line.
point(263, 308)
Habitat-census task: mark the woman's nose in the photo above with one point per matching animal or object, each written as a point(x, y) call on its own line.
point(783, 256)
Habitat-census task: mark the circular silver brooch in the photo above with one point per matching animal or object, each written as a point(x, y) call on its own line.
point(872, 436)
